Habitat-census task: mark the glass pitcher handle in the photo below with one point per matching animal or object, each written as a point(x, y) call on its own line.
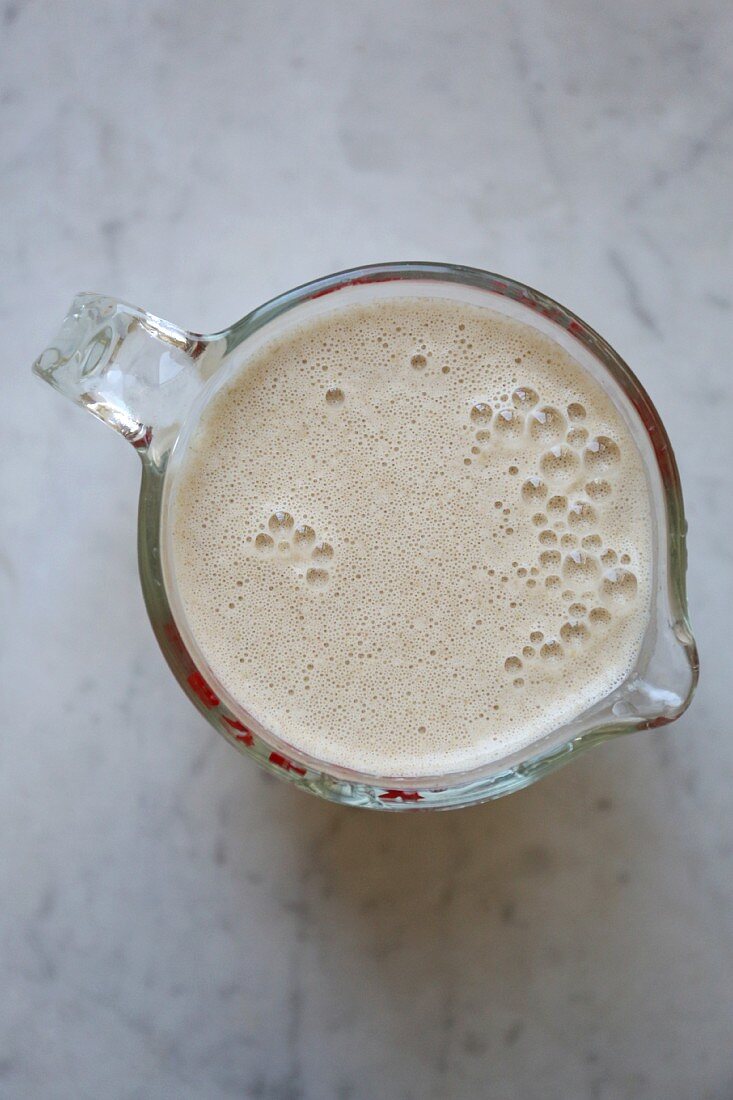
point(132, 370)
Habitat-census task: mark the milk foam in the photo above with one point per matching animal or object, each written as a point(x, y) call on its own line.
point(412, 537)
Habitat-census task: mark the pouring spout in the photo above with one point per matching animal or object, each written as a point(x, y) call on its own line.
point(134, 371)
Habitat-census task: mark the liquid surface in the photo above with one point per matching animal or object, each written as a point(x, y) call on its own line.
point(412, 537)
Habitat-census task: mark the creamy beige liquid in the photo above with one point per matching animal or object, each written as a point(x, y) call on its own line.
point(412, 537)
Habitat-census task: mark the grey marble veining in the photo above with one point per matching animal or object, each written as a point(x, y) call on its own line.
point(174, 923)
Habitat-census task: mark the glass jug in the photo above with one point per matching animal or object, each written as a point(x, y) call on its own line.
point(149, 380)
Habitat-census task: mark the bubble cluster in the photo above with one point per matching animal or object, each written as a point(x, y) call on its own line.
point(412, 537)
point(568, 537)
point(295, 545)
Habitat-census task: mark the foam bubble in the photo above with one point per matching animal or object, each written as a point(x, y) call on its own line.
point(598, 489)
point(524, 397)
point(552, 651)
point(576, 437)
point(482, 413)
point(280, 521)
point(547, 424)
point(581, 515)
point(619, 585)
point(534, 490)
point(574, 633)
point(559, 463)
point(508, 424)
point(557, 505)
point(322, 551)
point(550, 558)
point(580, 567)
point(602, 454)
point(304, 535)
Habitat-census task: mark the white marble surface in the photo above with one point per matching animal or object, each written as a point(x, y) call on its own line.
point(174, 923)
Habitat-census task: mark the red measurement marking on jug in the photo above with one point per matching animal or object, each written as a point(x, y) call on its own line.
point(401, 796)
point(200, 688)
point(171, 632)
point(358, 281)
point(244, 735)
point(285, 764)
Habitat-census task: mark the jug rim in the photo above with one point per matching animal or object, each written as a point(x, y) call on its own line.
point(524, 765)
